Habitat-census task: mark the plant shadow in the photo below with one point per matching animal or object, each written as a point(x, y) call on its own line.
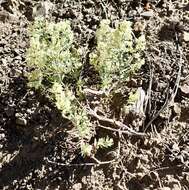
point(46, 135)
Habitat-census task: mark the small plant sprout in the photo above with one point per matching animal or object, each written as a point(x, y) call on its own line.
point(56, 66)
point(133, 97)
point(86, 149)
point(89, 150)
point(104, 142)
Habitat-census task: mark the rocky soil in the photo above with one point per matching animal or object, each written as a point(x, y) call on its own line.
point(39, 151)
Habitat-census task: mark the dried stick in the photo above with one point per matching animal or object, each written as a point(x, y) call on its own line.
point(94, 92)
point(98, 162)
point(170, 101)
point(149, 92)
point(118, 124)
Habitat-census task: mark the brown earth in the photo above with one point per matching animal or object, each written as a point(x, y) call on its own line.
point(34, 138)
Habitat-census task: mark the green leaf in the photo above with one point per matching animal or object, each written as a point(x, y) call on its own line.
point(86, 149)
point(104, 142)
point(118, 54)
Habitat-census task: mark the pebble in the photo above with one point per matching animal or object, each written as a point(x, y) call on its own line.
point(177, 108)
point(185, 89)
point(139, 26)
point(147, 14)
point(20, 120)
point(132, 13)
point(185, 36)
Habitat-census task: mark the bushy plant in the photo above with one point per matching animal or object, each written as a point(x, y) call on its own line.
point(51, 53)
point(118, 52)
point(54, 62)
point(67, 103)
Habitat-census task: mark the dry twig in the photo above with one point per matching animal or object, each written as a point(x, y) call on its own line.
point(94, 92)
point(98, 162)
point(170, 100)
point(118, 124)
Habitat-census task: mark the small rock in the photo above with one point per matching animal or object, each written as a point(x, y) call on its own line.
point(2, 136)
point(18, 57)
point(176, 187)
point(185, 36)
point(164, 188)
point(175, 147)
point(148, 6)
point(77, 186)
point(147, 14)
point(139, 26)
point(185, 89)
point(140, 175)
point(132, 13)
point(20, 120)
point(177, 109)
point(42, 9)
point(144, 158)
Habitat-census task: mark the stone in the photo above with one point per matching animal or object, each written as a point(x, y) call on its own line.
point(147, 14)
point(185, 36)
point(177, 109)
point(185, 89)
point(21, 121)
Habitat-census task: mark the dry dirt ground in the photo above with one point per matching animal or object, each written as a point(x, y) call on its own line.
point(33, 138)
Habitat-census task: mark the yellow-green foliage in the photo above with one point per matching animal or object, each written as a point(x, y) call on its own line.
point(133, 97)
point(51, 52)
point(118, 53)
point(87, 149)
point(66, 101)
point(53, 58)
point(55, 64)
point(104, 142)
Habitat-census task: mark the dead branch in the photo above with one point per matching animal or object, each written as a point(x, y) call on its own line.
point(94, 92)
point(98, 162)
point(118, 124)
point(170, 100)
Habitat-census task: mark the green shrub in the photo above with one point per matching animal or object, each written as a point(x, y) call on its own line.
point(67, 103)
point(51, 53)
point(56, 64)
point(118, 52)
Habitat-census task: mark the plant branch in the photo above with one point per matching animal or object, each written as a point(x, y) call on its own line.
point(98, 162)
point(118, 124)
